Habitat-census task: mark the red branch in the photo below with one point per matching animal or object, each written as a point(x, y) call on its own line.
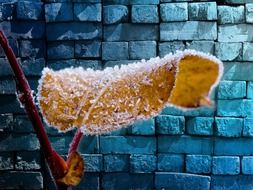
point(75, 141)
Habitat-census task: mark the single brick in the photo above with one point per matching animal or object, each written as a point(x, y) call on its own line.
point(190, 30)
point(116, 163)
point(33, 67)
point(87, 49)
point(198, 164)
point(90, 181)
point(7, 10)
point(232, 89)
point(237, 71)
point(114, 63)
point(173, 125)
point(248, 127)
point(26, 10)
point(6, 161)
point(118, 132)
point(6, 121)
point(142, 163)
point(89, 145)
point(32, 48)
point(109, 49)
point(174, 12)
point(200, 126)
point(61, 143)
point(231, 14)
point(7, 86)
point(74, 31)
point(93, 162)
point(170, 47)
point(203, 111)
point(204, 46)
point(228, 51)
point(129, 32)
point(167, 180)
point(170, 162)
point(142, 49)
point(87, 12)
point(28, 161)
point(14, 45)
point(60, 50)
point(127, 145)
point(249, 13)
point(247, 51)
point(226, 165)
point(57, 12)
point(247, 165)
point(238, 1)
point(250, 90)
point(113, 14)
point(10, 104)
point(203, 11)
point(144, 14)
point(144, 2)
point(22, 124)
point(142, 127)
point(185, 144)
point(242, 182)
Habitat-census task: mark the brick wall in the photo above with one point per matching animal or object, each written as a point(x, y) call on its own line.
point(208, 148)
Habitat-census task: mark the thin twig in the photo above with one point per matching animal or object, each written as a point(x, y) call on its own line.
point(75, 142)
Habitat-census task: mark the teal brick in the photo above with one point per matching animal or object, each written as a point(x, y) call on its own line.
point(170, 47)
point(174, 12)
point(93, 162)
point(58, 12)
point(228, 126)
point(109, 49)
point(203, 111)
point(85, 49)
point(248, 127)
point(28, 161)
point(185, 144)
point(89, 145)
point(240, 182)
point(61, 143)
point(236, 71)
point(203, 11)
point(226, 165)
point(249, 13)
point(143, 127)
point(116, 163)
point(231, 14)
point(247, 51)
point(7, 87)
point(87, 12)
point(228, 51)
point(6, 161)
point(26, 10)
point(200, 126)
point(250, 90)
point(113, 14)
point(6, 121)
point(247, 165)
point(232, 89)
point(32, 48)
point(127, 145)
point(199, 164)
point(142, 163)
point(7, 10)
point(238, 1)
point(118, 63)
point(144, 14)
point(204, 46)
point(172, 125)
point(190, 30)
point(144, 2)
point(142, 49)
point(90, 181)
point(60, 50)
point(170, 162)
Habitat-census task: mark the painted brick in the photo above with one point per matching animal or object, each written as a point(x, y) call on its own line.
point(228, 126)
point(142, 49)
point(144, 2)
point(248, 127)
point(128, 32)
point(142, 163)
point(7, 86)
point(226, 165)
point(114, 63)
point(10, 104)
point(203, 11)
point(235, 33)
point(74, 31)
point(174, 12)
point(170, 162)
point(27, 161)
point(89, 181)
point(61, 144)
point(250, 89)
point(127, 145)
point(87, 49)
point(198, 164)
point(113, 14)
point(89, 145)
point(203, 111)
point(231, 14)
point(57, 12)
point(116, 163)
point(22, 124)
point(29, 10)
point(33, 67)
point(228, 51)
point(21, 180)
point(127, 181)
point(144, 14)
point(60, 50)
point(14, 142)
point(247, 165)
point(32, 48)
point(119, 132)
point(170, 47)
point(94, 64)
point(249, 13)
point(204, 46)
point(166, 180)
point(14, 45)
point(93, 162)
point(185, 144)
point(173, 125)
point(87, 12)
point(190, 30)
point(109, 49)
point(237, 71)
point(247, 51)
point(6, 121)
point(7, 10)
point(200, 126)
point(232, 89)
point(6, 161)
point(142, 127)
point(238, 1)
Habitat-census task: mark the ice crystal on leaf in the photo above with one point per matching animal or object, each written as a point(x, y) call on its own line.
point(102, 101)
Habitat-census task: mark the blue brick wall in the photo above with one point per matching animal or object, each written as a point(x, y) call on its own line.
point(206, 148)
